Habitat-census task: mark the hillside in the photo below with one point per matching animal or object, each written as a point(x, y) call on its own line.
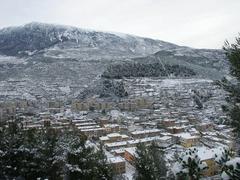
point(52, 61)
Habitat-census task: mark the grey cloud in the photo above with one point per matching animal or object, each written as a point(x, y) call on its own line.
point(201, 24)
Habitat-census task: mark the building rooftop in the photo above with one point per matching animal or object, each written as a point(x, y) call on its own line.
point(205, 153)
point(145, 131)
point(116, 159)
point(185, 136)
point(132, 151)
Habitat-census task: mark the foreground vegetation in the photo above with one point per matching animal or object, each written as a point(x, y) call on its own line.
point(49, 154)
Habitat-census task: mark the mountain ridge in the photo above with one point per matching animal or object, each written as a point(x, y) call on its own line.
point(42, 35)
point(47, 58)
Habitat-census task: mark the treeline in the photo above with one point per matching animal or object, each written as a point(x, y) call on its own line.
point(49, 154)
point(105, 88)
point(110, 88)
point(119, 71)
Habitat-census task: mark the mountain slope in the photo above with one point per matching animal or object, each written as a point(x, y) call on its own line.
point(60, 61)
point(38, 36)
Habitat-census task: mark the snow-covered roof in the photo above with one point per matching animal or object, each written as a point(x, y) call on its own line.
point(147, 139)
point(205, 153)
point(85, 124)
point(111, 125)
point(114, 135)
point(185, 136)
point(164, 138)
point(95, 129)
point(104, 138)
point(131, 150)
point(119, 151)
point(116, 159)
point(176, 127)
point(115, 144)
point(145, 131)
point(88, 127)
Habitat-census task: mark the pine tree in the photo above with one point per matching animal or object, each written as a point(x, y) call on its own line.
point(189, 166)
point(48, 154)
point(19, 154)
point(231, 170)
point(230, 165)
point(233, 54)
point(225, 156)
point(52, 167)
point(86, 162)
point(150, 163)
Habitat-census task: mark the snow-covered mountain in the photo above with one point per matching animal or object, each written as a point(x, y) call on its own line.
point(38, 36)
point(49, 60)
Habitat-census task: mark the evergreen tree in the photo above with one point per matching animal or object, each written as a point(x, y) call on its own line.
point(230, 165)
point(225, 156)
point(150, 163)
point(51, 165)
point(86, 162)
point(189, 166)
point(232, 169)
point(19, 155)
point(47, 154)
point(233, 87)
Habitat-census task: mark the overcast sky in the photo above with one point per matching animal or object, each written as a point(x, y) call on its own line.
point(195, 23)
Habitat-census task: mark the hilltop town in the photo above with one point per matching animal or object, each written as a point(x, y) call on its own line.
point(176, 114)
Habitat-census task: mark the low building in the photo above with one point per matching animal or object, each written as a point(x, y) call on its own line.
point(88, 127)
point(96, 132)
point(187, 140)
point(146, 141)
point(145, 133)
point(118, 152)
point(118, 164)
point(130, 154)
point(204, 126)
point(164, 141)
point(103, 120)
point(110, 128)
point(113, 137)
point(208, 156)
point(115, 145)
point(176, 129)
point(168, 122)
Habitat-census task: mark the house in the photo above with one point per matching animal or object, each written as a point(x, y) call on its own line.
point(110, 128)
point(103, 120)
point(118, 152)
point(187, 140)
point(95, 132)
point(164, 141)
point(130, 154)
point(118, 164)
point(113, 137)
point(146, 141)
point(204, 126)
point(168, 122)
point(115, 145)
point(208, 156)
point(84, 124)
point(182, 123)
point(145, 133)
point(176, 129)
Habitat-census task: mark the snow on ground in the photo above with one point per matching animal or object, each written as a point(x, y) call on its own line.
point(175, 82)
point(130, 170)
point(65, 89)
point(234, 162)
point(11, 60)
